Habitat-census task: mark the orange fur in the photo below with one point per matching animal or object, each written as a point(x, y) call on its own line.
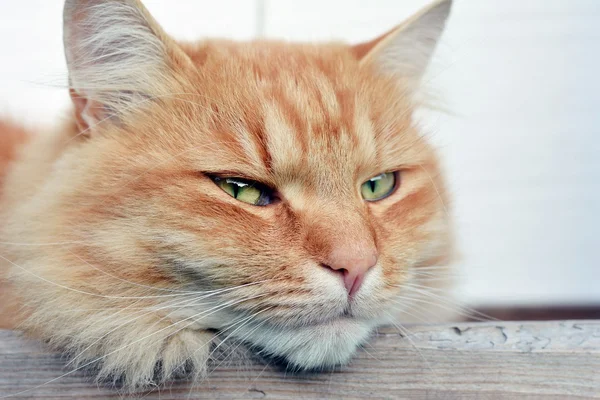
point(12, 138)
point(101, 225)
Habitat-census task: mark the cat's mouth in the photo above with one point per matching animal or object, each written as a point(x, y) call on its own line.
point(346, 315)
point(319, 318)
point(330, 321)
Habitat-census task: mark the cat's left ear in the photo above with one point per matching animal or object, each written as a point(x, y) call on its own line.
point(119, 59)
point(406, 50)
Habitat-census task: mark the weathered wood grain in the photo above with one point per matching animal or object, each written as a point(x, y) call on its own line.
point(492, 360)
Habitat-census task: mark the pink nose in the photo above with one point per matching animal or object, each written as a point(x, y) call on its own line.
point(353, 264)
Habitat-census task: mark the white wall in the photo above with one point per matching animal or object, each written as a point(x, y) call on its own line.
point(521, 80)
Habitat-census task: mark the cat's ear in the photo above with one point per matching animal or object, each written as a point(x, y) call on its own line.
point(118, 57)
point(405, 51)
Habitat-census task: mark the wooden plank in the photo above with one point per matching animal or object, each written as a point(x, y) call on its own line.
point(491, 360)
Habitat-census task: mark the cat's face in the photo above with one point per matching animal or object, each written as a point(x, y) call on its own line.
point(312, 133)
point(286, 184)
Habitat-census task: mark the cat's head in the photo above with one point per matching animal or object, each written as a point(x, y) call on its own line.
point(286, 185)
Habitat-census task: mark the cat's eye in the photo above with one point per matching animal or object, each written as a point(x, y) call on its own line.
point(379, 187)
point(245, 190)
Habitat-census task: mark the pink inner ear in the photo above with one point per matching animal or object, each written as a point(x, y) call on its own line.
point(87, 112)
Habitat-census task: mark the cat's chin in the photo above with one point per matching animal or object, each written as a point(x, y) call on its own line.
point(313, 347)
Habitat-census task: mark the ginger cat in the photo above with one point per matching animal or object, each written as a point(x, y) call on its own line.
point(272, 193)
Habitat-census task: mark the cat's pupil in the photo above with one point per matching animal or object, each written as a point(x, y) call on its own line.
point(372, 184)
point(236, 189)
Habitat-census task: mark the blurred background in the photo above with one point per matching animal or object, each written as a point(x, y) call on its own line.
point(521, 139)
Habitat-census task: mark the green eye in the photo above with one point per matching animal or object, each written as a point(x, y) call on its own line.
point(245, 190)
point(379, 187)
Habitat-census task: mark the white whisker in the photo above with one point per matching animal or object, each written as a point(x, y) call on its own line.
point(406, 333)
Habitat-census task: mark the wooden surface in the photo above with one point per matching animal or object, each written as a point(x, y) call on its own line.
point(491, 360)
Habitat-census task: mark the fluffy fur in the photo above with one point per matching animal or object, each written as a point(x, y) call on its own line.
point(124, 254)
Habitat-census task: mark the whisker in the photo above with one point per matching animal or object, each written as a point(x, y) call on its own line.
point(450, 300)
point(363, 348)
point(440, 304)
point(411, 309)
point(416, 285)
point(406, 333)
point(245, 321)
point(434, 267)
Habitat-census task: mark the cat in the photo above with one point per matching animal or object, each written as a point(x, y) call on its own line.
point(277, 194)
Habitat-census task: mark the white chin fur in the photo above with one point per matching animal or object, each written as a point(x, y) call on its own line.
point(323, 345)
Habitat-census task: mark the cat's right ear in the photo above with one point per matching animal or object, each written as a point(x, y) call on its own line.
point(118, 58)
point(405, 51)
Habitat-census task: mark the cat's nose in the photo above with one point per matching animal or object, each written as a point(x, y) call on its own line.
point(353, 264)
